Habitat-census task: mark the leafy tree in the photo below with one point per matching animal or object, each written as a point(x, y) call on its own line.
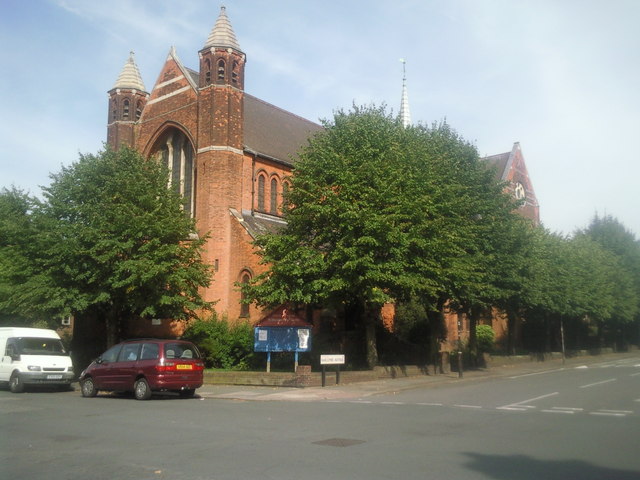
point(380, 213)
point(26, 294)
point(613, 237)
point(109, 239)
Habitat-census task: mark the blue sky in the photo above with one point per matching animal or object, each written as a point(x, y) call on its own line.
point(561, 77)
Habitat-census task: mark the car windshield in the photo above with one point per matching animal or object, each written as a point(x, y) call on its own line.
point(181, 350)
point(40, 346)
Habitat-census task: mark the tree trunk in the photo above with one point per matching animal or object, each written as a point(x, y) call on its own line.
point(372, 316)
point(436, 327)
point(511, 331)
point(112, 322)
point(474, 315)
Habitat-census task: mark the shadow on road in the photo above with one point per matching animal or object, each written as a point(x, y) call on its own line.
point(522, 467)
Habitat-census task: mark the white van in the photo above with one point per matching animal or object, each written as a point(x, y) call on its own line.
point(33, 356)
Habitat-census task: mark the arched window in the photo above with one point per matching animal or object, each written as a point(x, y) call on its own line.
point(234, 73)
point(221, 70)
point(207, 71)
point(244, 307)
point(138, 110)
point(274, 196)
point(114, 110)
point(261, 181)
point(176, 152)
point(125, 109)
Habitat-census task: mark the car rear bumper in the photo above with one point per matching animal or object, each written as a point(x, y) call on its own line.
point(176, 382)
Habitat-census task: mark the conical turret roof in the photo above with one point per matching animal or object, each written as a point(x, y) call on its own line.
point(222, 34)
point(130, 76)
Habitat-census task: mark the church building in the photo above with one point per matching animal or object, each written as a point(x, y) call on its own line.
point(229, 154)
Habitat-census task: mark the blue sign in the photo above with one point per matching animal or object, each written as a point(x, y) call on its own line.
point(282, 339)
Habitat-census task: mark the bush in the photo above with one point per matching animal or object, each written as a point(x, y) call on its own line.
point(486, 338)
point(223, 345)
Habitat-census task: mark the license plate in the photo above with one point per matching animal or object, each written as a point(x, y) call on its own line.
point(54, 377)
point(184, 367)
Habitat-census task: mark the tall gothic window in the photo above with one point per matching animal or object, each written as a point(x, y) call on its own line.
point(261, 182)
point(244, 307)
point(274, 196)
point(176, 152)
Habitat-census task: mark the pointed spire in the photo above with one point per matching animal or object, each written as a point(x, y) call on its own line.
point(222, 34)
point(130, 76)
point(405, 115)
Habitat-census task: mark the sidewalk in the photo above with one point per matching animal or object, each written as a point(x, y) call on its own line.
point(362, 390)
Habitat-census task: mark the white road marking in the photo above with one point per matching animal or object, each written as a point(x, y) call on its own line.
point(392, 403)
point(571, 409)
point(532, 399)
point(514, 409)
point(599, 383)
point(468, 406)
point(608, 414)
point(537, 373)
point(558, 411)
point(430, 404)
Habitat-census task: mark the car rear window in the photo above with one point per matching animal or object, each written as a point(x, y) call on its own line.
point(181, 350)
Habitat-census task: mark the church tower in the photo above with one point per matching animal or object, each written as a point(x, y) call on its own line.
point(221, 88)
point(220, 154)
point(127, 99)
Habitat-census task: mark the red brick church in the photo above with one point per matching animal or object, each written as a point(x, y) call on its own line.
point(229, 154)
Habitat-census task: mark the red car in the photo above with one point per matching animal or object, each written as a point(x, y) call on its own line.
point(145, 366)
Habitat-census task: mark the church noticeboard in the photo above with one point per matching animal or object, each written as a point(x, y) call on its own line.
point(282, 332)
point(282, 339)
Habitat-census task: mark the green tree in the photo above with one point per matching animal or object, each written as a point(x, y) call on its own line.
point(115, 243)
point(25, 291)
point(380, 213)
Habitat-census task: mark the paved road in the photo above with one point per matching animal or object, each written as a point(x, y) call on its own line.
point(581, 421)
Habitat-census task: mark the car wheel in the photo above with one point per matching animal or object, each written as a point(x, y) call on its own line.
point(187, 393)
point(15, 384)
point(88, 388)
point(141, 389)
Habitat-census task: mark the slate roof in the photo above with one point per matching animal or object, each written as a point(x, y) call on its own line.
point(273, 132)
point(499, 163)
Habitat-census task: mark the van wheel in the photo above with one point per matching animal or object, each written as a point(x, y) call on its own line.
point(88, 388)
point(141, 389)
point(15, 384)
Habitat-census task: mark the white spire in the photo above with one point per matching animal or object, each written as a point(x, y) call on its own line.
point(405, 115)
point(130, 76)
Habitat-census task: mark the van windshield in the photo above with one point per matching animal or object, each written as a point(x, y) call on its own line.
point(40, 346)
